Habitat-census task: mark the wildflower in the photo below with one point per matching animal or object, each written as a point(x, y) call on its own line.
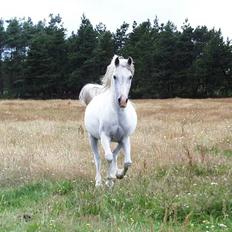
point(222, 225)
point(132, 220)
point(214, 183)
point(205, 221)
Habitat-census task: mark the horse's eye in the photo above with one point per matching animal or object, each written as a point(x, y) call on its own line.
point(130, 77)
point(114, 77)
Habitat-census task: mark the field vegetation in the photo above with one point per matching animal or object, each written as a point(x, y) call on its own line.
point(180, 179)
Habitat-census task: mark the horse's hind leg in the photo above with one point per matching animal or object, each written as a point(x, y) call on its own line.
point(105, 141)
point(97, 160)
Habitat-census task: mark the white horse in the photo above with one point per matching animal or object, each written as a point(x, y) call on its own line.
point(110, 116)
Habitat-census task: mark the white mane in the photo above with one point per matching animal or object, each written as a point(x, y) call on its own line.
point(91, 90)
point(106, 80)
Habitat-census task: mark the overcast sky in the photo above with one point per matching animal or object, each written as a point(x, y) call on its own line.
point(112, 13)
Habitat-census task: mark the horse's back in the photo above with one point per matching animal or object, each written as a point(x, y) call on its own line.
point(89, 91)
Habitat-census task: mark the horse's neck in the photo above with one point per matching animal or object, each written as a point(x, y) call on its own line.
point(112, 99)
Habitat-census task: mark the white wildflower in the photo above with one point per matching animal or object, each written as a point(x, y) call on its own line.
point(222, 225)
point(214, 183)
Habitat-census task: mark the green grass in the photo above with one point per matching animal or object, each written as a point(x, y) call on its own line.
point(180, 198)
point(227, 153)
point(215, 151)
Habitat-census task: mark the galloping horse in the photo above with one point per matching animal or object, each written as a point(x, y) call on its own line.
point(110, 116)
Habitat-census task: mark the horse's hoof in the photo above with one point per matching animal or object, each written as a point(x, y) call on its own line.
point(120, 174)
point(110, 183)
point(127, 165)
point(112, 177)
point(98, 184)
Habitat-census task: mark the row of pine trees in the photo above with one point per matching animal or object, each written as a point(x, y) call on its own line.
point(41, 61)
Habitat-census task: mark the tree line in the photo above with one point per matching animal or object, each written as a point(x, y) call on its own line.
point(40, 61)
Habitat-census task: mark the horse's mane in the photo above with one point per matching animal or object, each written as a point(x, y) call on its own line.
point(91, 90)
point(106, 80)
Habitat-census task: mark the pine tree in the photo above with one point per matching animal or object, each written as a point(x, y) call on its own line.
point(81, 47)
point(104, 50)
point(120, 38)
point(46, 60)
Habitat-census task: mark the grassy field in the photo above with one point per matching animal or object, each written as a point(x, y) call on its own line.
point(180, 180)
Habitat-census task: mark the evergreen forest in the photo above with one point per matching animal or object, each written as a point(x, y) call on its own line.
point(42, 61)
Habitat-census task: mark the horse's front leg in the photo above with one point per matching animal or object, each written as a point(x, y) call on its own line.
point(127, 157)
point(115, 170)
point(127, 150)
point(105, 141)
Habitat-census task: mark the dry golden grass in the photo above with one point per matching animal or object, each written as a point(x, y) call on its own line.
point(48, 139)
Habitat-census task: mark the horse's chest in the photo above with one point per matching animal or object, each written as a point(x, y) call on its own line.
point(116, 130)
point(116, 133)
point(116, 125)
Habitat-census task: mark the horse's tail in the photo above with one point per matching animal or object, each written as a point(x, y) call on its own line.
point(89, 91)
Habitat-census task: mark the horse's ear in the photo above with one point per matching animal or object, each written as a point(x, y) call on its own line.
point(130, 61)
point(116, 62)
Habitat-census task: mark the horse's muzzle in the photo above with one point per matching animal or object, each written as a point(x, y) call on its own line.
point(122, 101)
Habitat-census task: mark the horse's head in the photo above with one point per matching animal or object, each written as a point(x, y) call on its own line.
point(121, 79)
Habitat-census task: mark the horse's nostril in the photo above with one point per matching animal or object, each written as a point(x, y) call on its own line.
point(119, 100)
point(126, 100)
